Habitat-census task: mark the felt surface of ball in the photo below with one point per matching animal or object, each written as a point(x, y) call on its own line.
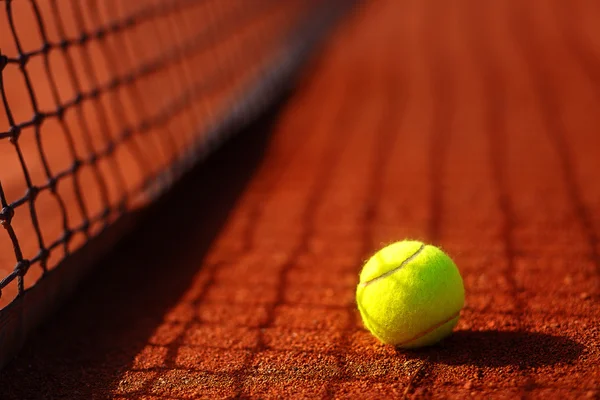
point(410, 294)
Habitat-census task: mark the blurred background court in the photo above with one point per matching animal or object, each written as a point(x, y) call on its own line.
point(197, 183)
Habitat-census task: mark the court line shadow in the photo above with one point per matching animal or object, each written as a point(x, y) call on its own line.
point(82, 351)
point(495, 349)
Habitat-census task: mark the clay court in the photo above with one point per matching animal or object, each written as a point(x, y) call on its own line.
point(470, 125)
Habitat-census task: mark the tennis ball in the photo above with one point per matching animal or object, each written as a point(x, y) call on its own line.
point(410, 294)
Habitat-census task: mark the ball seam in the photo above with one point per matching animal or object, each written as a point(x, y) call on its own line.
point(430, 329)
point(394, 270)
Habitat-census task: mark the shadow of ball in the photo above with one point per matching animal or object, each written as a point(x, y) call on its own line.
point(493, 348)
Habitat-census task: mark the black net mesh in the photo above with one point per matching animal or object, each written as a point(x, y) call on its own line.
point(104, 103)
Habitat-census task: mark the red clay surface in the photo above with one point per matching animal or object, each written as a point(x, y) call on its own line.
point(471, 125)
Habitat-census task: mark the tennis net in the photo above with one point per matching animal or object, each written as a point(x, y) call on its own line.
point(104, 104)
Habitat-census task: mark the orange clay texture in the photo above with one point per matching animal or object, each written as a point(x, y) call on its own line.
point(470, 124)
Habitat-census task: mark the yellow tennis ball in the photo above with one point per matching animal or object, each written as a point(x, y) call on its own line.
point(410, 294)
